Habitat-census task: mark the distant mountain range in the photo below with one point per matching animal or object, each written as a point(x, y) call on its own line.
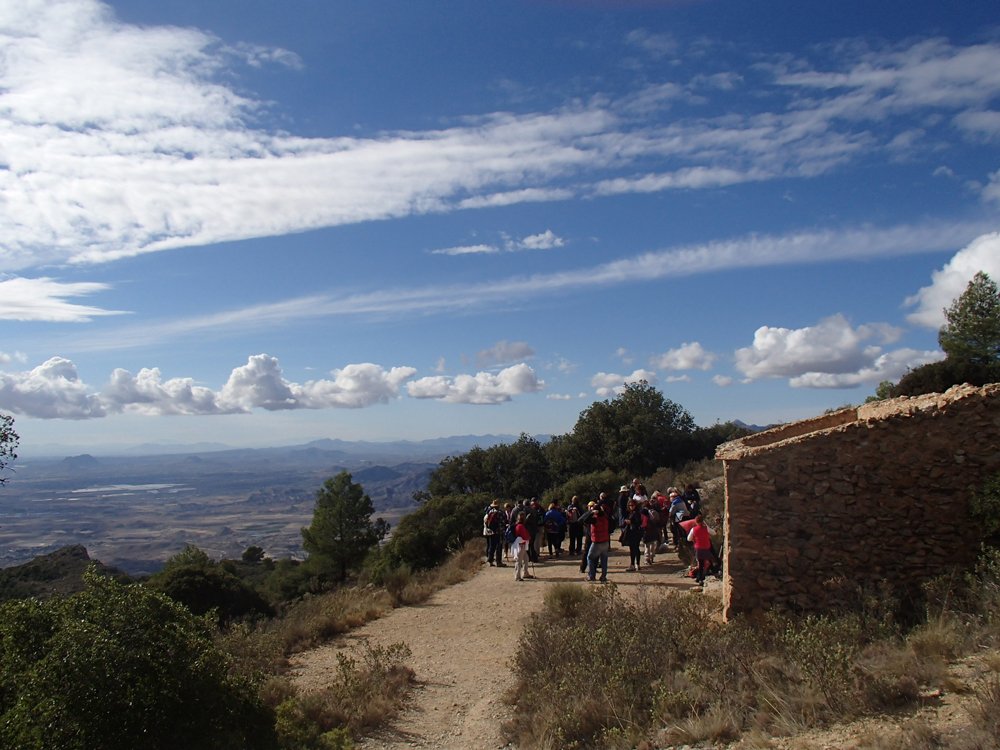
point(433, 446)
point(136, 509)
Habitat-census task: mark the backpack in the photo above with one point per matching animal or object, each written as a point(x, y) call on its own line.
point(654, 516)
point(494, 519)
point(572, 514)
point(510, 535)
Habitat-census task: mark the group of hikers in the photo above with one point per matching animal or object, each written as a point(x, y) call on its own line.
point(644, 523)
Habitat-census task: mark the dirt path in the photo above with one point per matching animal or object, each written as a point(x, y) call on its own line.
point(460, 641)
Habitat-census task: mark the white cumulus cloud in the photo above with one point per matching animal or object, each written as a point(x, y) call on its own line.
point(948, 283)
point(54, 390)
point(481, 388)
point(688, 356)
point(833, 347)
point(607, 384)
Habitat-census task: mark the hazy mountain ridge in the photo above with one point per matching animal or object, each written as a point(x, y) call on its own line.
point(134, 511)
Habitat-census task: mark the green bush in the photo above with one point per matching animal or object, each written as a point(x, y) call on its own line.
point(120, 667)
point(439, 527)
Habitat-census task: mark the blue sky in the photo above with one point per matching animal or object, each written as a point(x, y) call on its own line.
point(262, 223)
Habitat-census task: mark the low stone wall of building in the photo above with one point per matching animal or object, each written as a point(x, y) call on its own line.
point(880, 492)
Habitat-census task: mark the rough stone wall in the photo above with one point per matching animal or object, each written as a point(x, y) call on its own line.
point(877, 492)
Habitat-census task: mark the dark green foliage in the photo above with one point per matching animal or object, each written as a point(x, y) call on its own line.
point(210, 588)
point(508, 471)
point(632, 434)
point(972, 333)
point(8, 443)
point(937, 377)
point(57, 573)
point(120, 667)
point(971, 340)
point(587, 487)
point(442, 525)
point(342, 530)
point(253, 554)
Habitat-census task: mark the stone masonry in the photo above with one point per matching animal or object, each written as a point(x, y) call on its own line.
point(817, 507)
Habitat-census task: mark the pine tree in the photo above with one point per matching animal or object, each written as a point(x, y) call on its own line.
point(972, 333)
point(342, 530)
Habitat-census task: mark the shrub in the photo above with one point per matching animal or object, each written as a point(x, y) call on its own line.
point(120, 667)
point(361, 695)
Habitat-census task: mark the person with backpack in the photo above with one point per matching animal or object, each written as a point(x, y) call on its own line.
point(678, 512)
point(574, 527)
point(555, 528)
point(535, 523)
point(493, 528)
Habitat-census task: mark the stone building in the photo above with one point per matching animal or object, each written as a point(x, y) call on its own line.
point(878, 492)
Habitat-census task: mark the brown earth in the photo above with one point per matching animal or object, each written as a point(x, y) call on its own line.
point(461, 640)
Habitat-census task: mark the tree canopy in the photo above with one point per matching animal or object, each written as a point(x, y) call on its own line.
point(342, 530)
point(970, 339)
point(634, 433)
point(972, 331)
point(120, 667)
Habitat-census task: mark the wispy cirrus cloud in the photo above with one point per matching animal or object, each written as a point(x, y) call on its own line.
point(124, 139)
point(753, 251)
point(48, 299)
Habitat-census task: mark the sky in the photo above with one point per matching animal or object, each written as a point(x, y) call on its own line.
point(261, 223)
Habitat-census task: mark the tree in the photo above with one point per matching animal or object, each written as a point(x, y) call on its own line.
point(120, 667)
point(971, 340)
point(634, 434)
point(8, 444)
point(253, 554)
point(972, 333)
point(342, 530)
point(192, 578)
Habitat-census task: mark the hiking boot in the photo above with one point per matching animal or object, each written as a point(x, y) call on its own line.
point(501, 565)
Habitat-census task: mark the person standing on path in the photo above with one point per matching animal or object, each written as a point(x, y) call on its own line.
point(700, 537)
point(520, 547)
point(632, 528)
point(534, 521)
point(573, 525)
point(493, 527)
point(600, 542)
point(586, 534)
